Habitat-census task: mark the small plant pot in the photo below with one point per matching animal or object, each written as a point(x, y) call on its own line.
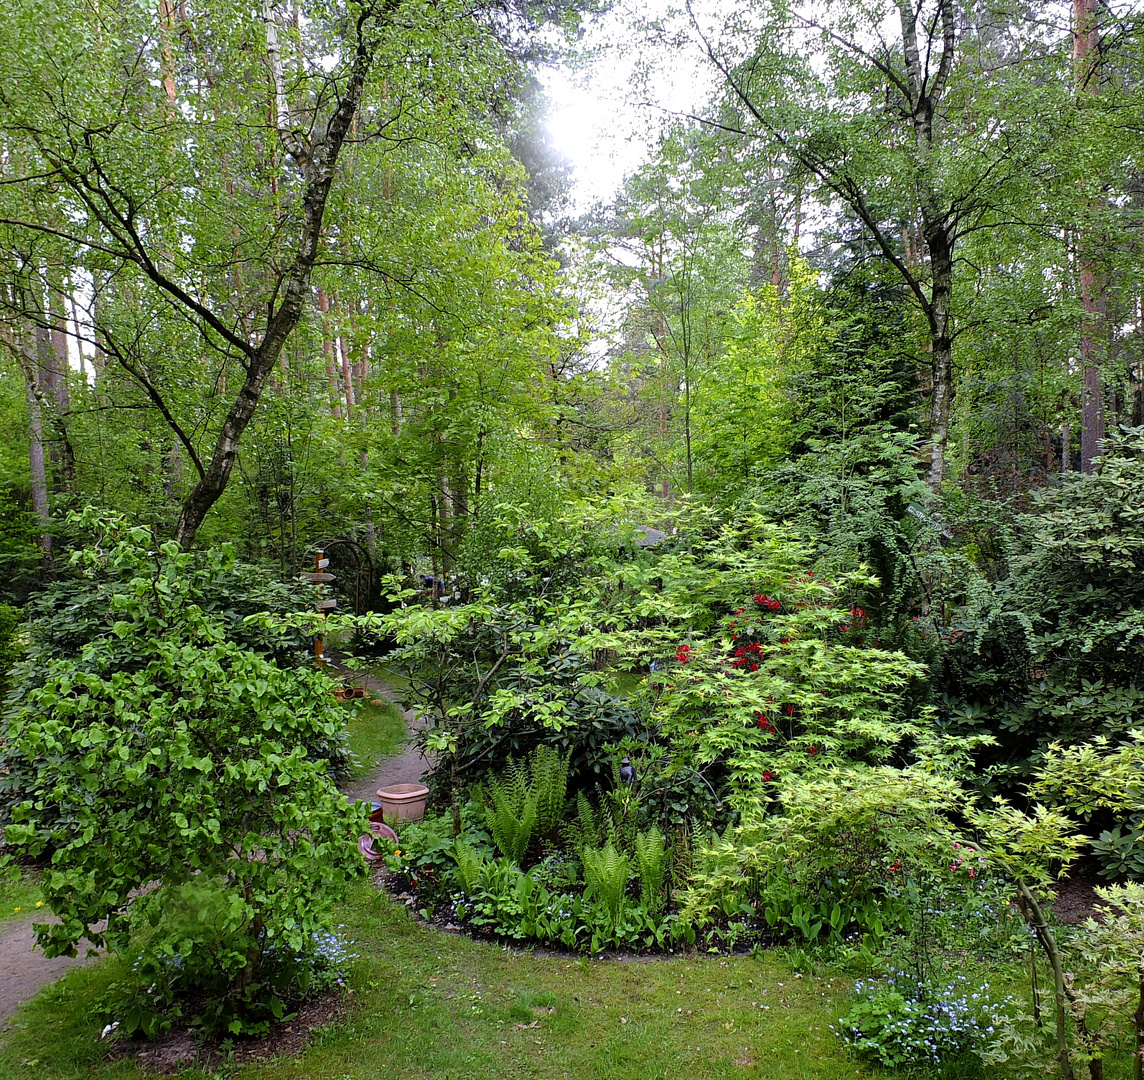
point(403, 802)
point(348, 693)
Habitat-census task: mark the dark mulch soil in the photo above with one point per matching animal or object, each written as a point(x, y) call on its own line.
point(1075, 900)
point(182, 1048)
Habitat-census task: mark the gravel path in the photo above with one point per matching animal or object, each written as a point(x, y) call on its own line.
point(24, 971)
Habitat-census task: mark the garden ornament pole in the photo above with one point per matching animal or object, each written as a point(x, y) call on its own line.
point(323, 604)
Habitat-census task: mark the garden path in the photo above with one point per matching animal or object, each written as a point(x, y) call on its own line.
point(406, 767)
point(24, 971)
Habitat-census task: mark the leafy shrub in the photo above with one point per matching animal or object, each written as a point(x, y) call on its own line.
point(188, 781)
point(191, 939)
point(1119, 851)
point(103, 587)
point(506, 671)
point(10, 646)
point(1053, 652)
point(829, 862)
point(902, 1022)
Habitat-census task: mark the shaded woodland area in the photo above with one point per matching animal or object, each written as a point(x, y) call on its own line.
point(808, 472)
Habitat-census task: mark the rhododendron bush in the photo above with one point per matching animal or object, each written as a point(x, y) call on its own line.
point(759, 668)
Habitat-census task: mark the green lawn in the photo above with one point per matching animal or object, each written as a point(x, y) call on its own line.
point(375, 733)
point(430, 1004)
point(19, 895)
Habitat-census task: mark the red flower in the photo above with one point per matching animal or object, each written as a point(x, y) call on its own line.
point(813, 750)
point(789, 710)
point(684, 654)
point(768, 776)
point(739, 611)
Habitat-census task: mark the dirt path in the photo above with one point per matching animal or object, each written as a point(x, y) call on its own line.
point(406, 768)
point(25, 971)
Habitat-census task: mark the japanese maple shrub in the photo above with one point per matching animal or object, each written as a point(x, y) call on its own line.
point(171, 781)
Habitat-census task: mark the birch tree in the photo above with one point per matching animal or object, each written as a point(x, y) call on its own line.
point(184, 164)
point(902, 118)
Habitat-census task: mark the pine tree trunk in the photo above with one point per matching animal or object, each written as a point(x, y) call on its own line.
point(37, 462)
point(1093, 300)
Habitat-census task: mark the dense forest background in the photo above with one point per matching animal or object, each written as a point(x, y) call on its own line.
point(283, 276)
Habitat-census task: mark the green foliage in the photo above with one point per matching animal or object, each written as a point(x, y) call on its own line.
point(651, 858)
point(774, 672)
point(527, 799)
point(606, 873)
point(1053, 654)
point(11, 647)
point(427, 852)
point(468, 866)
point(106, 593)
point(1110, 988)
point(901, 1022)
point(830, 862)
point(507, 670)
point(191, 772)
point(586, 828)
point(512, 815)
point(548, 776)
point(1119, 851)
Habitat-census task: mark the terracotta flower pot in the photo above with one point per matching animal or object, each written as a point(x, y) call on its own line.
point(403, 802)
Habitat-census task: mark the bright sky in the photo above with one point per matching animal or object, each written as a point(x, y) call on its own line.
point(605, 115)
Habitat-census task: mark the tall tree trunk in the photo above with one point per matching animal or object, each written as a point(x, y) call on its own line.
point(62, 452)
point(941, 405)
point(328, 354)
point(1093, 299)
point(317, 160)
point(37, 464)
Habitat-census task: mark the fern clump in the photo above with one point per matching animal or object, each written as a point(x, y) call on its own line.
point(512, 814)
point(548, 770)
point(606, 872)
point(469, 865)
point(526, 800)
point(651, 857)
